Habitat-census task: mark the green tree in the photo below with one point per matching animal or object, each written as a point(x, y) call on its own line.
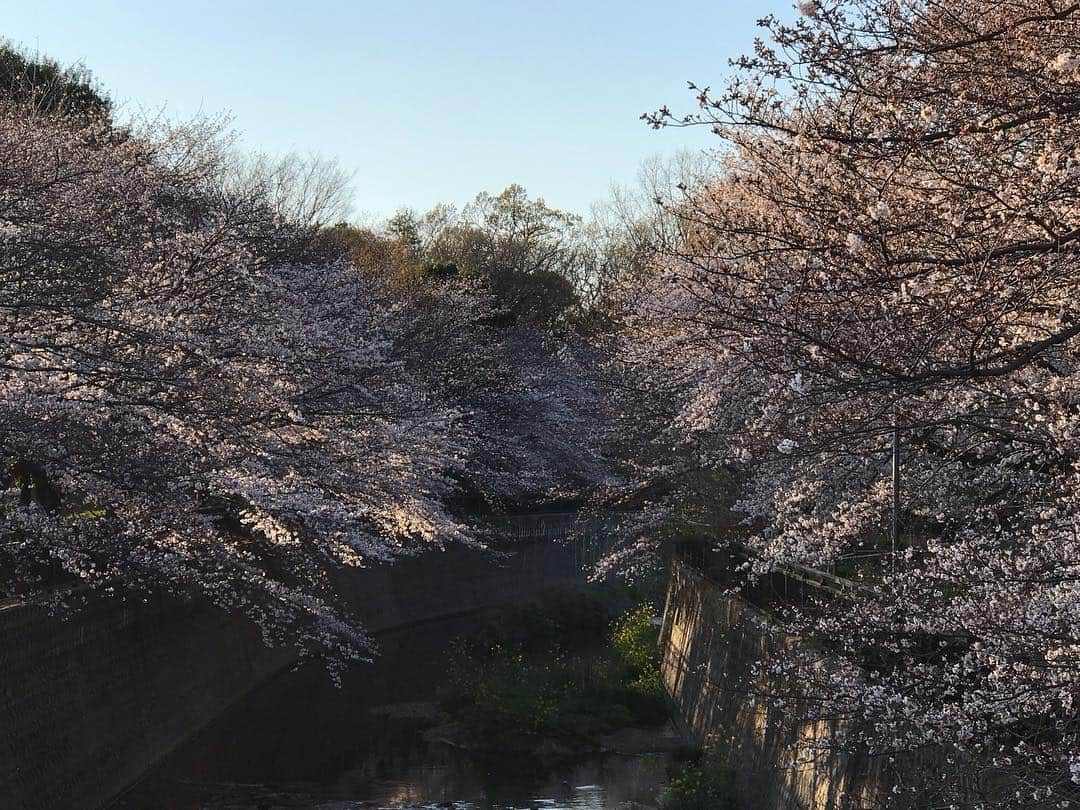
point(404, 226)
point(41, 83)
point(527, 253)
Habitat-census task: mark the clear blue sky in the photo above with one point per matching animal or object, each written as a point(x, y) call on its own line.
point(427, 101)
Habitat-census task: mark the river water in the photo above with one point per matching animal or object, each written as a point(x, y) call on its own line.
point(377, 742)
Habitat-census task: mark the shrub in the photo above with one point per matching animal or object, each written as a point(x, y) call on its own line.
point(634, 639)
point(509, 690)
point(705, 782)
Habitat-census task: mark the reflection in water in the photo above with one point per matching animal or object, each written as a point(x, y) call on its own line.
point(626, 784)
point(376, 743)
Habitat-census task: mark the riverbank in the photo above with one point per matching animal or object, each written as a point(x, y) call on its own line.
point(380, 741)
point(711, 642)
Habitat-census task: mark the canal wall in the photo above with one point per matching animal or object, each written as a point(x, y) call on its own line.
point(87, 703)
point(90, 702)
point(710, 643)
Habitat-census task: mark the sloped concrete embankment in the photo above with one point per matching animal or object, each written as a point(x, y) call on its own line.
point(710, 642)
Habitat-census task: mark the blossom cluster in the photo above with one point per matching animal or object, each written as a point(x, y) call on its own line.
point(889, 248)
point(194, 397)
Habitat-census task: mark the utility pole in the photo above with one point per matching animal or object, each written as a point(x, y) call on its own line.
point(894, 527)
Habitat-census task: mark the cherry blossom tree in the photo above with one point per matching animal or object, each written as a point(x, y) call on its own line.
point(198, 394)
point(188, 399)
point(534, 412)
point(889, 248)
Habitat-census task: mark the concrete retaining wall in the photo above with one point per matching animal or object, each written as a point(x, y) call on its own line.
point(710, 642)
point(88, 704)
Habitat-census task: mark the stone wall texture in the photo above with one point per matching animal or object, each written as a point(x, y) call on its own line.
point(710, 642)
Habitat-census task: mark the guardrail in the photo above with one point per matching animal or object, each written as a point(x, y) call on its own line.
point(782, 581)
point(823, 580)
